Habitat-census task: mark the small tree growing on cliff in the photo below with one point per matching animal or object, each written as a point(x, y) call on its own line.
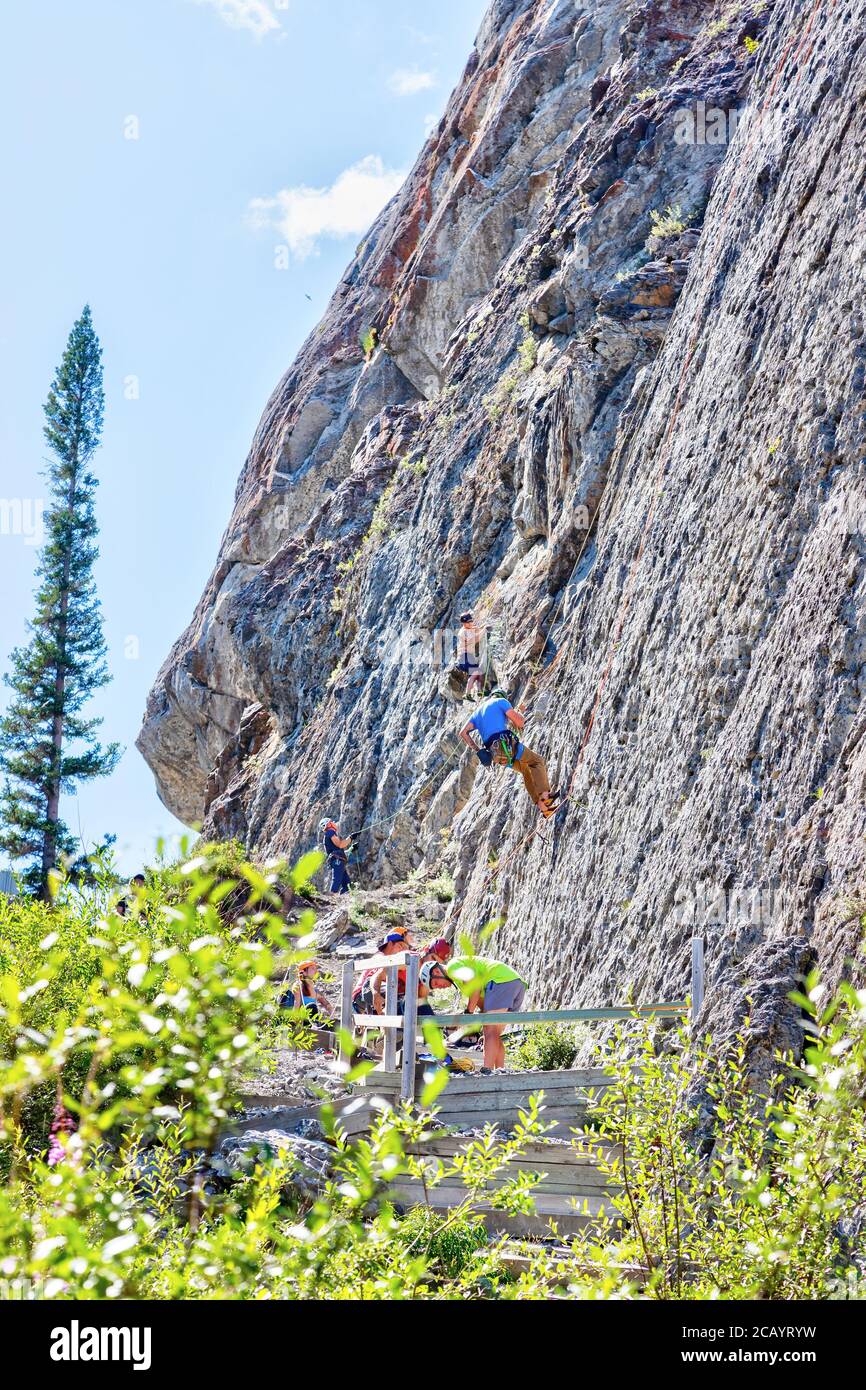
point(46, 746)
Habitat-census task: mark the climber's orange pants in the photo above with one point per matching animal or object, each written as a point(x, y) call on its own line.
point(533, 770)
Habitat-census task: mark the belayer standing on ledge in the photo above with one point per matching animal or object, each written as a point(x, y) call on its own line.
point(338, 859)
point(498, 723)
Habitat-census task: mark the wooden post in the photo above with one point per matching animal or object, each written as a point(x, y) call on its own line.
point(346, 1006)
point(389, 1055)
point(410, 1028)
point(697, 975)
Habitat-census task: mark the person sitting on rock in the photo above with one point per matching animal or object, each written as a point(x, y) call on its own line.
point(335, 848)
point(306, 996)
point(495, 721)
point(468, 660)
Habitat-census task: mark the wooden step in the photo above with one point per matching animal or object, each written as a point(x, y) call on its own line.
point(473, 1113)
point(584, 1150)
point(475, 1101)
point(578, 1185)
point(563, 1168)
point(522, 1258)
point(272, 1100)
point(573, 1181)
point(499, 1082)
point(468, 1101)
point(570, 1214)
point(380, 1081)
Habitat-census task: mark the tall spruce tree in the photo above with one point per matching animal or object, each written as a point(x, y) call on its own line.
point(46, 745)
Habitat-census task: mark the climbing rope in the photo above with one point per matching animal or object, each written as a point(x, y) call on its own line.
point(412, 793)
point(625, 603)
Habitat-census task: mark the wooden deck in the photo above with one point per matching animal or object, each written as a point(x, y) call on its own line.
point(572, 1190)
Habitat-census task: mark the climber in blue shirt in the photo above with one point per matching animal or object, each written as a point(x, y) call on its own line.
point(336, 850)
point(497, 724)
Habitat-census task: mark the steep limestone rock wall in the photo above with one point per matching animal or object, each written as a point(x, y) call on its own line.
point(636, 446)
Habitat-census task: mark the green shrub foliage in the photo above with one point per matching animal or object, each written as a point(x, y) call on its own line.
point(140, 1028)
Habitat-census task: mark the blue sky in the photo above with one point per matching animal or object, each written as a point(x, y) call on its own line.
point(156, 153)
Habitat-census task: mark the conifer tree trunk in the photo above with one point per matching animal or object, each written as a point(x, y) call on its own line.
point(52, 800)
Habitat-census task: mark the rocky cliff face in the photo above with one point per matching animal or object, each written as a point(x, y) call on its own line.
point(612, 399)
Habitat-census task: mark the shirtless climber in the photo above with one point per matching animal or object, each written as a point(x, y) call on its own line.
point(335, 849)
point(495, 721)
point(469, 639)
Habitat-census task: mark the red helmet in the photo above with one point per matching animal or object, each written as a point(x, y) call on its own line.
point(440, 948)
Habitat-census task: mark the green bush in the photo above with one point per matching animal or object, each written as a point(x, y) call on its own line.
point(527, 352)
point(668, 223)
point(450, 1249)
point(145, 1025)
point(764, 1216)
point(442, 887)
point(544, 1047)
point(501, 396)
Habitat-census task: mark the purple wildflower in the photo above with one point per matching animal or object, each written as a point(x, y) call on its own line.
point(62, 1124)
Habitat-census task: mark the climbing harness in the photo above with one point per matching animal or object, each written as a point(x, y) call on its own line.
point(506, 744)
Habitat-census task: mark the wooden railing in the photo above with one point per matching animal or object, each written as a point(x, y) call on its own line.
point(391, 1022)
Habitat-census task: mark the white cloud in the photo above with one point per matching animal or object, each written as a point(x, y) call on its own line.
point(419, 35)
point(303, 215)
point(408, 82)
point(258, 16)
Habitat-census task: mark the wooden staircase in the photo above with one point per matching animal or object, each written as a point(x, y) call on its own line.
point(474, 1100)
point(572, 1190)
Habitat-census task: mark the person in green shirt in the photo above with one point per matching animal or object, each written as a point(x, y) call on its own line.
point(493, 988)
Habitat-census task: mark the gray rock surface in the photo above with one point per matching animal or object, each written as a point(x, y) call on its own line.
point(636, 444)
point(239, 1154)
